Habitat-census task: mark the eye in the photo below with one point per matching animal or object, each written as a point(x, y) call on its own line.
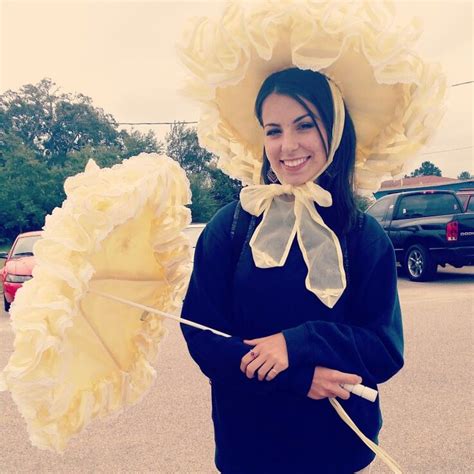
point(306, 125)
point(272, 131)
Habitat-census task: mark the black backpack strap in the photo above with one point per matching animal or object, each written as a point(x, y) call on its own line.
point(243, 225)
point(349, 246)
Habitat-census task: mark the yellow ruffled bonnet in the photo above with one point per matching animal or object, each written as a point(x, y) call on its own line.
point(395, 99)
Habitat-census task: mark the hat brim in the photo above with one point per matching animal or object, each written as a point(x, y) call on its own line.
point(394, 98)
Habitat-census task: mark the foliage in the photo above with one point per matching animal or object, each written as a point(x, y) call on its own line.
point(465, 175)
point(211, 188)
point(46, 136)
point(28, 189)
point(426, 169)
point(363, 202)
point(182, 145)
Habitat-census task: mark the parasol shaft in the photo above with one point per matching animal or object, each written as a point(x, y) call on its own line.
point(158, 312)
point(361, 390)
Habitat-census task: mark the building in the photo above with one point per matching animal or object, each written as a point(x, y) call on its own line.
point(423, 183)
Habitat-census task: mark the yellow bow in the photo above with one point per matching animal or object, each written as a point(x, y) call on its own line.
point(288, 211)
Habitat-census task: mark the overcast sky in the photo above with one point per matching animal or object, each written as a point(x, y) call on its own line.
point(122, 55)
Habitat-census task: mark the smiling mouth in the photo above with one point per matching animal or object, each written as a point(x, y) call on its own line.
point(293, 164)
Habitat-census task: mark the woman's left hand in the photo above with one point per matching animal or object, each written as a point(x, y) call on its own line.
point(268, 358)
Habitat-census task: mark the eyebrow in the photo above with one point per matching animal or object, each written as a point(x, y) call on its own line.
point(297, 119)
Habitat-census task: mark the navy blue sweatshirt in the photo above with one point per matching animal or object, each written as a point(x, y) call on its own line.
point(273, 427)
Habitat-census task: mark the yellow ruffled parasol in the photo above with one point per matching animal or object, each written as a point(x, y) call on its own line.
point(79, 356)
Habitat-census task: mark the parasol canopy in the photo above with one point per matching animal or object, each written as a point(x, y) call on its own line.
point(77, 355)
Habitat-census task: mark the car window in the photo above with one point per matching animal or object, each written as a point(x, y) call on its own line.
point(470, 206)
point(379, 209)
point(463, 198)
point(426, 205)
point(24, 246)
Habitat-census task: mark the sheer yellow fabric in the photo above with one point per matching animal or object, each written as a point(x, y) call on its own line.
point(289, 211)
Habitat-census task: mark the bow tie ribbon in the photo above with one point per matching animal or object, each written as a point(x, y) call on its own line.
point(289, 211)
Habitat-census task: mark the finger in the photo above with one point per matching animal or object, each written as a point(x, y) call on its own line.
point(247, 358)
point(272, 373)
point(264, 370)
point(344, 377)
point(253, 367)
point(352, 379)
point(253, 342)
point(338, 391)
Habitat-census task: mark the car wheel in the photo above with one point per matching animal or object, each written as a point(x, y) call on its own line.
point(419, 265)
point(6, 304)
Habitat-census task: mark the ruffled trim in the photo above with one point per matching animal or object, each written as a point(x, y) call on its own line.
point(99, 201)
point(230, 58)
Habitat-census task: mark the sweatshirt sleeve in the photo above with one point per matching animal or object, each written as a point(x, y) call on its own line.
point(371, 343)
point(209, 302)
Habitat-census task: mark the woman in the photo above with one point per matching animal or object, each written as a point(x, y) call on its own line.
point(307, 288)
point(290, 350)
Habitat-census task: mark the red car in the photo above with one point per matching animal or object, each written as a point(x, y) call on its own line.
point(18, 266)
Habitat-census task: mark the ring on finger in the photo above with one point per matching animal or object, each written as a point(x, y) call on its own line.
point(272, 373)
point(253, 354)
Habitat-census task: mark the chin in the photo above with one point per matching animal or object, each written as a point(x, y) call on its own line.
point(295, 181)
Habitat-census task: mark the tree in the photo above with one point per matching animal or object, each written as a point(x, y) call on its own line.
point(210, 187)
point(203, 205)
point(54, 124)
point(426, 169)
point(47, 136)
point(363, 202)
point(465, 175)
point(224, 189)
point(183, 146)
point(28, 188)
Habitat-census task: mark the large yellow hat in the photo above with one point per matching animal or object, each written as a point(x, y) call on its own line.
point(395, 99)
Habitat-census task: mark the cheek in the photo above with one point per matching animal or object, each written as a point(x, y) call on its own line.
point(271, 150)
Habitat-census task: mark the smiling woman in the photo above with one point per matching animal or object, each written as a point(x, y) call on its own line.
point(305, 283)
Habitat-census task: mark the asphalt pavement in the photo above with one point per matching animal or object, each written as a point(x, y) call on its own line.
point(427, 407)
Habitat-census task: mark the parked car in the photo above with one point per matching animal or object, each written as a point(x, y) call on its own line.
point(18, 266)
point(467, 198)
point(427, 229)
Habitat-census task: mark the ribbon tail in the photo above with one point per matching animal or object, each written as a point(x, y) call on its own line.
point(272, 239)
point(322, 253)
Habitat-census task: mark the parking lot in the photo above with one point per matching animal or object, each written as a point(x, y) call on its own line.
point(427, 407)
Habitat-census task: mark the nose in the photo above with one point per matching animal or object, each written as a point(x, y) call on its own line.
point(289, 142)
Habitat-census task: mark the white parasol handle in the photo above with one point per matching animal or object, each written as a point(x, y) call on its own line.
point(361, 390)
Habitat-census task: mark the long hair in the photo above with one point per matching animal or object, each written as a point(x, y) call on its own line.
point(338, 178)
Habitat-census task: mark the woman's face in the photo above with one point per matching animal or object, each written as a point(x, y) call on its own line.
point(292, 142)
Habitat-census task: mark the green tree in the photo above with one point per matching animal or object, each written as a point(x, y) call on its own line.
point(203, 205)
point(426, 169)
point(54, 124)
point(363, 202)
point(224, 189)
point(47, 136)
point(28, 188)
point(183, 146)
point(464, 175)
point(210, 187)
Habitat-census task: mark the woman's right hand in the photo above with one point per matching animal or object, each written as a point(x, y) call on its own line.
point(327, 383)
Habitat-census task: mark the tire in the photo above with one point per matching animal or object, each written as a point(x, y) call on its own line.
point(6, 304)
point(418, 264)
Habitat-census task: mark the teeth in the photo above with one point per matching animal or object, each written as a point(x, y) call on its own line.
point(293, 163)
